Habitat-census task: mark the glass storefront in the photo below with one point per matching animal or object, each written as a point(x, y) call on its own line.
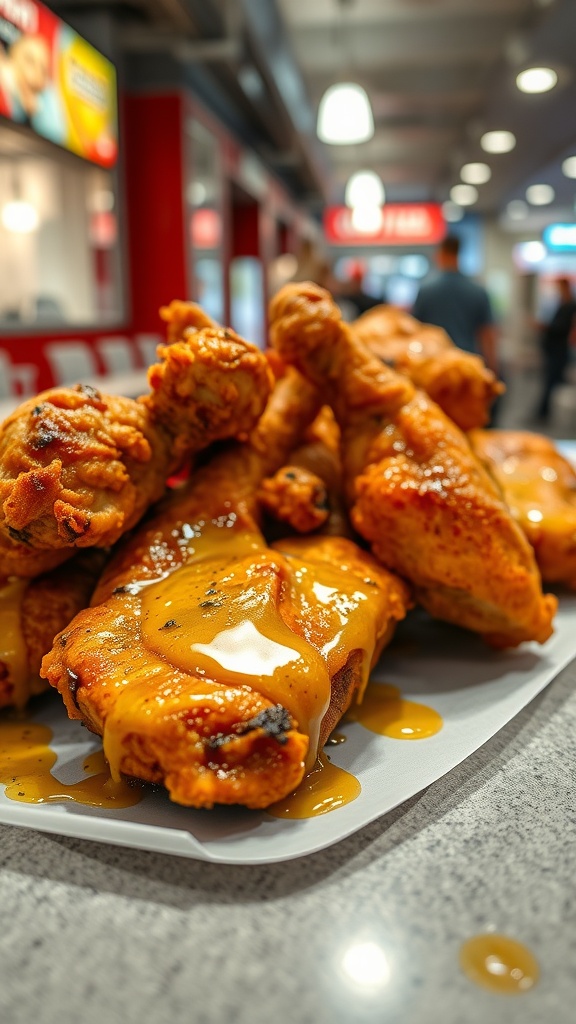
point(203, 204)
point(60, 261)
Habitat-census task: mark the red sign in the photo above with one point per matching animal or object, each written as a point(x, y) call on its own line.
point(401, 224)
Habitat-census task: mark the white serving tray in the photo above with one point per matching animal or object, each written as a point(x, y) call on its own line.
point(474, 689)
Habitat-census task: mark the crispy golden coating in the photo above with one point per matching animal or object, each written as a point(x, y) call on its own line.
point(212, 738)
point(457, 381)
point(539, 487)
point(307, 493)
point(78, 468)
point(417, 493)
point(180, 315)
point(296, 497)
point(43, 607)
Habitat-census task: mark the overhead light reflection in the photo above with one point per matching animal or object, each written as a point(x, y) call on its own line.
point(534, 80)
point(498, 142)
point(367, 219)
point(569, 167)
point(364, 188)
point(475, 173)
point(464, 195)
point(345, 115)
point(366, 964)
point(540, 195)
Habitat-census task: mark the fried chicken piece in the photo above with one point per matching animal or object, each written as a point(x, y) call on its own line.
point(78, 468)
point(180, 316)
point(417, 493)
point(306, 493)
point(226, 671)
point(295, 496)
point(539, 487)
point(31, 613)
point(457, 381)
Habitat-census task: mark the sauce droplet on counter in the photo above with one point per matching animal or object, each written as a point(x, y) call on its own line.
point(325, 788)
point(26, 762)
point(384, 710)
point(499, 963)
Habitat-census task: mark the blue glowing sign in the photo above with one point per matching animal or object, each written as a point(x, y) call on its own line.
point(560, 237)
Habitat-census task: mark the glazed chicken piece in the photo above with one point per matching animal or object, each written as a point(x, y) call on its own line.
point(417, 493)
point(78, 468)
point(457, 381)
point(539, 487)
point(31, 613)
point(226, 671)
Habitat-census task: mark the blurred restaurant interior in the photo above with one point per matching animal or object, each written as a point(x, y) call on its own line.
point(206, 149)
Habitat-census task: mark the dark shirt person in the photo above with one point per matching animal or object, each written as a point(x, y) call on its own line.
point(555, 341)
point(458, 305)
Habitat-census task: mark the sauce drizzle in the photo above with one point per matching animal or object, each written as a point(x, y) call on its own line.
point(26, 762)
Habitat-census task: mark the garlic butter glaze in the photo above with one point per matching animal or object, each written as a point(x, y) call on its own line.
point(239, 612)
point(12, 646)
point(26, 762)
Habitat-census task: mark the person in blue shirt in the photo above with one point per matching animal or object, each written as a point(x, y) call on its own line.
point(555, 343)
point(450, 300)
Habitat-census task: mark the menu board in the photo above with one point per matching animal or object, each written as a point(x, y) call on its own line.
point(56, 83)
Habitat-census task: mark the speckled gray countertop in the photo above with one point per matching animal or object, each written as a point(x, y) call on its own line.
point(94, 933)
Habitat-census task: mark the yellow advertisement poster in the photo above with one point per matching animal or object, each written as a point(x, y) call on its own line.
point(55, 82)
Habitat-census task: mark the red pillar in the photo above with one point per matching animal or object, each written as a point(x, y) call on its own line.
point(155, 205)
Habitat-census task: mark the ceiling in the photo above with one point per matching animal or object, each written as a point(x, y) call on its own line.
point(439, 73)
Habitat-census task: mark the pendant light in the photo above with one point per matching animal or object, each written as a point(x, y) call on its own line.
point(345, 115)
point(367, 220)
point(364, 188)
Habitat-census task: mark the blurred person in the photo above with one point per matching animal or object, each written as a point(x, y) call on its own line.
point(555, 344)
point(459, 305)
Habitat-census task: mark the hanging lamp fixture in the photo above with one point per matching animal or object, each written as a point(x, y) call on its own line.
point(345, 115)
point(364, 188)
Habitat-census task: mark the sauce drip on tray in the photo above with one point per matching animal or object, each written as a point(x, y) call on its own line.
point(323, 789)
point(384, 711)
point(26, 762)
